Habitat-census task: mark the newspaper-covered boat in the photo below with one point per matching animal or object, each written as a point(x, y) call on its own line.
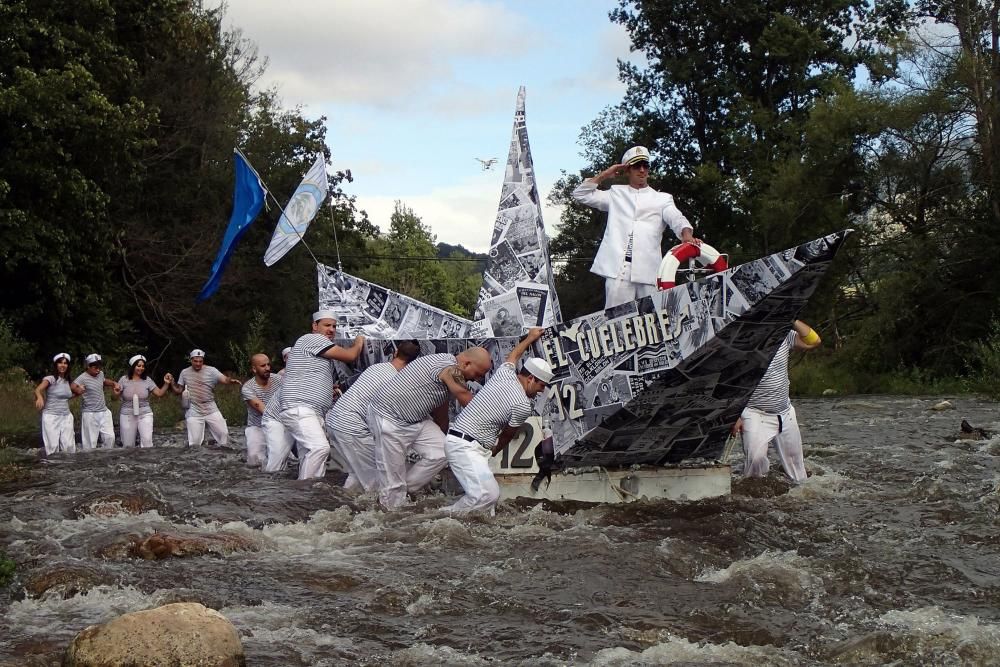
point(644, 394)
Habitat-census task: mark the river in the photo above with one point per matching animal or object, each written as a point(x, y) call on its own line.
point(889, 554)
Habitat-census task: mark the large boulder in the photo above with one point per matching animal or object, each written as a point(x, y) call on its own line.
point(186, 634)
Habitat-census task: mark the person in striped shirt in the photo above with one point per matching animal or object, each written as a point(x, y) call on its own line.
point(307, 391)
point(256, 392)
point(52, 396)
point(347, 424)
point(489, 422)
point(769, 415)
point(410, 411)
point(200, 380)
point(96, 425)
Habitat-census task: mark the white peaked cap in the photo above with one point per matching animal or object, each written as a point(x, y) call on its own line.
point(196, 353)
point(539, 368)
point(635, 154)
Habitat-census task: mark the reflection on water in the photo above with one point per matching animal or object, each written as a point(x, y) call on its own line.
point(888, 554)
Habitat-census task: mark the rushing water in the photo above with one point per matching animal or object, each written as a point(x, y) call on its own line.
point(888, 554)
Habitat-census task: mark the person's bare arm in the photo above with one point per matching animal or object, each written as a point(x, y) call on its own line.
point(506, 435)
point(807, 338)
point(349, 354)
point(168, 384)
point(256, 404)
point(110, 383)
point(440, 416)
point(522, 347)
point(40, 394)
point(78, 390)
point(455, 381)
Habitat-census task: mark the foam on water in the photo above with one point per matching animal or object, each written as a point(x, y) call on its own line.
point(677, 650)
point(778, 578)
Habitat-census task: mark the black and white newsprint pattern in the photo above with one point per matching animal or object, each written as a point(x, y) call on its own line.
point(518, 286)
point(656, 381)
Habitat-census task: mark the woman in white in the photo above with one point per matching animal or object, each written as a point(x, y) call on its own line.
point(52, 397)
point(134, 390)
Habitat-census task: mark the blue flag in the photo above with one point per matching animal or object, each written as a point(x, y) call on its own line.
point(248, 199)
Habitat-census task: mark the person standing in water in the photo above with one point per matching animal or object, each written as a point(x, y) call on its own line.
point(52, 397)
point(135, 415)
point(96, 425)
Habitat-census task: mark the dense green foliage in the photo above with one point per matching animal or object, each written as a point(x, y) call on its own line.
point(118, 120)
point(761, 131)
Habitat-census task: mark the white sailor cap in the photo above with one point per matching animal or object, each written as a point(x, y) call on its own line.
point(93, 359)
point(324, 314)
point(539, 368)
point(284, 353)
point(62, 355)
point(196, 353)
point(135, 358)
point(635, 154)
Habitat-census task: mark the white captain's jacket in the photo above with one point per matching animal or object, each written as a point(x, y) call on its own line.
point(644, 214)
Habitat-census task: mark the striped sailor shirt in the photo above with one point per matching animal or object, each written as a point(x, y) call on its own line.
point(309, 377)
point(57, 396)
point(350, 411)
point(140, 388)
point(201, 388)
point(771, 395)
point(93, 394)
point(410, 395)
point(252, 390)
point(500, 403)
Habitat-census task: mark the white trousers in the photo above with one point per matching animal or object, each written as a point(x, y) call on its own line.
point(358, 451)
point(392, 441)
point(279, 444)
point(306, 427)
point(216, 425)
point(256, 446)
point(130, 424)
point(470, 463)
point(759, 429)
point(96, 429)
point(57, 433)
point(622, 290)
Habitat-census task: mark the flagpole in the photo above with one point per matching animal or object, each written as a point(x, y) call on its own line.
point(278, 204)
point(336, 243)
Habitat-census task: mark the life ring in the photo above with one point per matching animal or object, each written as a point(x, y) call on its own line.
point(704, 254)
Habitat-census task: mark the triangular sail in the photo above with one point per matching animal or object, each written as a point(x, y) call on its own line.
point(518, 289)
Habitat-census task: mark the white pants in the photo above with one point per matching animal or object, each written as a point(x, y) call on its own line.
point(314, 449)
point(97, 428)
point(759, 429)
point(359, 454)
point(622, 290)
point(256, 446)
point(470, 463)
point(57, 433)
point(279, 444)
point(392, 441)
point(129, 424)
point(216, 425)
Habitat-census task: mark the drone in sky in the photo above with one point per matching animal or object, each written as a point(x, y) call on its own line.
point(487, 164)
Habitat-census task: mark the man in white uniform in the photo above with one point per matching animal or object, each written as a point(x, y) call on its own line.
point(629, 256)
point(200, 381)
point(498, 409)
point(769, 414)
point(256, 392)
point(96, 425)
point(347, 421)
point(410, 411)
point(307, 392)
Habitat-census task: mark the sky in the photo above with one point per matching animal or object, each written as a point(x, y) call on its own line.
point(415, 90)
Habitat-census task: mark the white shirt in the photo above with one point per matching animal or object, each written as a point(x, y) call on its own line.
point(642, 214)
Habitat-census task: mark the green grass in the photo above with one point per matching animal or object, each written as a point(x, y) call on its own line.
point(812, 375)
point(6, 569)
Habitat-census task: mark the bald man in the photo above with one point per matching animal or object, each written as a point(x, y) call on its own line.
point(410, 411)
point(256, 392)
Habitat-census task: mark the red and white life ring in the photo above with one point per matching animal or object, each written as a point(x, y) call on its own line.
point(704, 254)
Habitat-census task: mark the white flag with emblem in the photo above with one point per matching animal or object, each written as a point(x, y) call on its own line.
point(299, 212)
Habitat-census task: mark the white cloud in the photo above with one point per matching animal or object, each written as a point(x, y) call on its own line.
point(381, 53)
point(461, 214)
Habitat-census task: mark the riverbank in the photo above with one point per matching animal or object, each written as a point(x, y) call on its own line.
point(20, 420)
